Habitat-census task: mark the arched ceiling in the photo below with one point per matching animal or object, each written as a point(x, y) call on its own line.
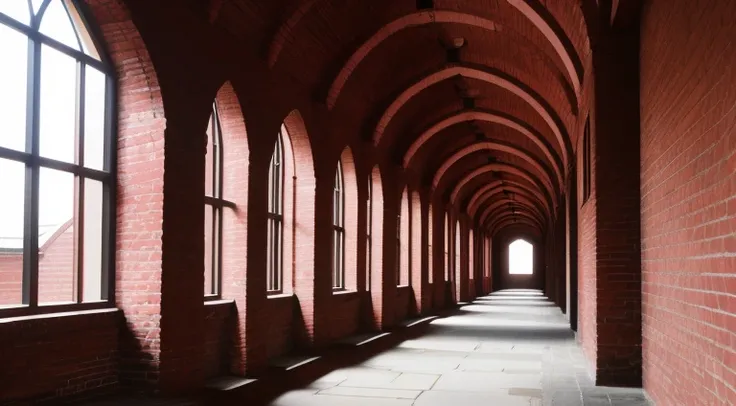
point(477, 99)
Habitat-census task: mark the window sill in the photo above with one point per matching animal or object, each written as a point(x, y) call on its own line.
point(338, 292)
point(56, 315)
point(52, 309)
point(277, 296)
point(218, 302)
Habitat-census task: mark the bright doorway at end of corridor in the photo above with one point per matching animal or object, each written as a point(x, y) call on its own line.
point(521, 258)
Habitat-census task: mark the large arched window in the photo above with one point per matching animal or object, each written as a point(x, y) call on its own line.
point(275, 228)
point(214, 205)
point(521, 258)
point(56, 157)
point(338, 230)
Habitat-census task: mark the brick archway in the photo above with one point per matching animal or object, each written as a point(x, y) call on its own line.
point(488, 75)
point(491, 117)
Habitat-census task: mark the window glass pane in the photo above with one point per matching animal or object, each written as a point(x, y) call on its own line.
point(94, 119)
point(208, 249)
point(12, 184)
point(14, 51)
point(280, 255)
point(88, 44)
point(209, 178)
point(271, 185)
point(56, 237)
point(92, 241)
point(56, 24)
point(269, 255)
point(334, 258)
point(58, 105)
point(16, 9)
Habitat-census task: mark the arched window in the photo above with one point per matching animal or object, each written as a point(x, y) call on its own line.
point(338, 230)
point(430, 242)
point(521, 258)
point(403, 252)
point(448, 263)
point(457, 253)
point(275, 228)
point(471, 255)
point(57, 155)
point(214, 204)
point(398, 250)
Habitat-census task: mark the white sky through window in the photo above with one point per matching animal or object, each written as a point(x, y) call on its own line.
point(57, 118)
point(521, 258)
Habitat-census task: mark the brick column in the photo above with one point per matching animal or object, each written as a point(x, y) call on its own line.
point(182, 262)
point(618, 265)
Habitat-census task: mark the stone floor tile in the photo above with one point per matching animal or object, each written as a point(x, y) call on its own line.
point(447, 398)
point(370, 392)
point(508, 348)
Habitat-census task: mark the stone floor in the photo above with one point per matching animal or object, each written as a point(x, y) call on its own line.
point(513, 347)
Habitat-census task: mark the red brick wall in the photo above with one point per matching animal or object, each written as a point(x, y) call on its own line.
point(587, 234)
point(219, 326)
point(688, 201)
point(63, 355)
point(280, 329)
point(345, 315)
point(55, 271)
point(11, 278)
point(403, 302)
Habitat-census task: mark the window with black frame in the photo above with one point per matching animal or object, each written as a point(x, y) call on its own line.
point(275, 228)
point(57, 160)
point(214, 205)
point(338, 230)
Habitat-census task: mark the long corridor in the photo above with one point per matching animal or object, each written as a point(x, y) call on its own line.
point(513, 347)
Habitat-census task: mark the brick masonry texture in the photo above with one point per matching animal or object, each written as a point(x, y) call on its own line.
point(647, 260)
point(688, 202)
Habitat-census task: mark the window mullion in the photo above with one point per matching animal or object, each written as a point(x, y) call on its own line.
point(217, 271)
point(30, 232)
point(78, 256)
